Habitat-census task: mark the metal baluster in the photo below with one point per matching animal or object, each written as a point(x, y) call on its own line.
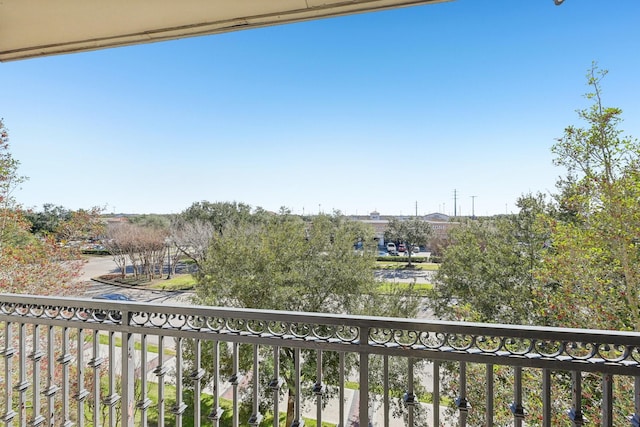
point(342, 396)
point(607, 400)
point(179, 408)
point(113, 397)
point(364, 386)
point(22, 385)
point(8, 352)
point(256, 417)
point(234, 382)
point(575, 413)
point(144, 403)
point(196, 377)
point(216, 410)
point(635, 417)
point(461, 402)
point(546, 398)
point(489, 392)
point(160, 372)
point(275, 384)
point(82, 392)
point(409, 396)
point(128, 399)
point(319, 389)
point(52, 388)
point(297, 420)
point(386, 397)
point(95, 363)
point(435, 397)
point(36, 356)
point(516, 407)
point(65, 359)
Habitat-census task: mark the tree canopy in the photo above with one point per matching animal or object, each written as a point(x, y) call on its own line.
point(571, 262)
point(285, 263)
point(28, 264)
point(412, 232)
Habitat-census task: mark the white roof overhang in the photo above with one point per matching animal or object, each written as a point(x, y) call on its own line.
point(34, 28)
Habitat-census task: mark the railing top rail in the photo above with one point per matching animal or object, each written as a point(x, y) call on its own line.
point(615, 352)
point(372, 322)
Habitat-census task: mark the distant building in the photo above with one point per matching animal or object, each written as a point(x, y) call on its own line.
point(440, 223)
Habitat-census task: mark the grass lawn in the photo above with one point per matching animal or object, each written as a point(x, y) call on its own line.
point(206, 402)
point(151, 348)
point(420, 288)
point(400, 265)
point(178, 282)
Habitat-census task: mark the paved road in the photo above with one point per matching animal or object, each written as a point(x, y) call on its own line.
point(99, 265)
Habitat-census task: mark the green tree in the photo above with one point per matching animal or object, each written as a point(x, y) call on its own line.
point(487, 271)
point(219, 214)
point(595, 260)
point(581, 265)
point(285, 263)
point(11, 225)
point(47, 220)
point(411, 232)
point(27, 264)
point(159, 222)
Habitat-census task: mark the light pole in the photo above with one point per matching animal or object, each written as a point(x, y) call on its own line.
point(473, 207)
point(167, 242)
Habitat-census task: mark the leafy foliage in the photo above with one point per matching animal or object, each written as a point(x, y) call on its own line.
point(571, 264)
point(411, 232)
point(28, 264)
point(594, 260)
point(284, 263)
point(487, 271)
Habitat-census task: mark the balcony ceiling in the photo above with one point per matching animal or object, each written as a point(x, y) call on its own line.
point(34, 28)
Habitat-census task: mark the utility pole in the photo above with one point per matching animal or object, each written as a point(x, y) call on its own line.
point(473, 207)
point(416, 208)
point(455, 200)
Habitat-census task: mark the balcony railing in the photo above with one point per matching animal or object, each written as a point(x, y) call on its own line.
point(56, 369)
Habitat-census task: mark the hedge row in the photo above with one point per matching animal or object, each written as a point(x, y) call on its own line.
point(391, 258)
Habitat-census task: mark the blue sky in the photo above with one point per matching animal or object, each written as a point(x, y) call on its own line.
point(378, 111)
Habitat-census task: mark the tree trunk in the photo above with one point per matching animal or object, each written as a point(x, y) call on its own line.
point(291, 406)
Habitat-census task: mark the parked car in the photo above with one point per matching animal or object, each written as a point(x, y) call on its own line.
point(402, 247)
point(114, 297)
point(415, 249)
point(114, 315)
point(391, 247)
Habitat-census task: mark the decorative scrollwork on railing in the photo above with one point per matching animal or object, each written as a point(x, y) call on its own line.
point(548, 348)
point(277, 329)
point(347, 334)
point(580, 347)
point(518, 346)
point(505, 346)
point(256, 327)
point(488, 343)
point(433, 340)
point(299, 330)
point(580, 350)
point(616, 353)
point(460, 342)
